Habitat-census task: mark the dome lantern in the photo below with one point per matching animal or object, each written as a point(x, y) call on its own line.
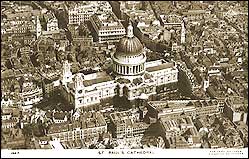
point(130, 30)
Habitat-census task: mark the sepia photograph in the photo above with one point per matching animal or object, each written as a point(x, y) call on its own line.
point(135, 79)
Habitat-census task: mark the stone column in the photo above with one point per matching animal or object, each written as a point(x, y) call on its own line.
point(124, 70)
point(121, 90)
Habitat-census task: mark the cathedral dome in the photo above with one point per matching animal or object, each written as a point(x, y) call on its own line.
point(129, 45)
point(129, 57)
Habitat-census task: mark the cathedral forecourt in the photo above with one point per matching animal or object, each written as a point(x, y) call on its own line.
point(133, 77)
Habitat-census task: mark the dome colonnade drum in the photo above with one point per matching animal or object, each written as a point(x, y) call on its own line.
point(129, 58)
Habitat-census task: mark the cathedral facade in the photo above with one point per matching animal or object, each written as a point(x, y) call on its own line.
point(132, 76)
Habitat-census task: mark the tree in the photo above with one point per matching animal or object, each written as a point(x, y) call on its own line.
point(121, 103)
point(144, 5)
point(62, 19)
point(245, 64)
point(8, 64)
point(43, 22)
point(69, 36)
point(184, 84)
point(27, 130)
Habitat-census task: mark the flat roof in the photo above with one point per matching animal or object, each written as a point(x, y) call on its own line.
point(160, 67)
point(101, 79)
point(87, 72)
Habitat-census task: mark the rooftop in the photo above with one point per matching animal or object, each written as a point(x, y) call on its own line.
point(60, 115)
point(98, 79)
point(179, 104)
point(160, 67)
point(106, 20)
point(87, 120)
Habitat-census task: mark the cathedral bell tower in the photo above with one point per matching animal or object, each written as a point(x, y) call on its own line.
point(122, 9)
point(67, 74)
point(38, 27)
point(79, 90)
point(78, 82)
point(183, 33)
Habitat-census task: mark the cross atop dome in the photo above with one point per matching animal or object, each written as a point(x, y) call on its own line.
point(130, 30)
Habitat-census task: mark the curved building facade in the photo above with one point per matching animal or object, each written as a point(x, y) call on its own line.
point(129, 58)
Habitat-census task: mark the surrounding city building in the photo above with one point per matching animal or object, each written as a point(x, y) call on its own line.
point(89, 125)
point(194, 108)
point(81, 35)
point(52, 24)
point(82, 12)
point(107, 27)
point(124, 127)
point(180, 132)
point(235, 110)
